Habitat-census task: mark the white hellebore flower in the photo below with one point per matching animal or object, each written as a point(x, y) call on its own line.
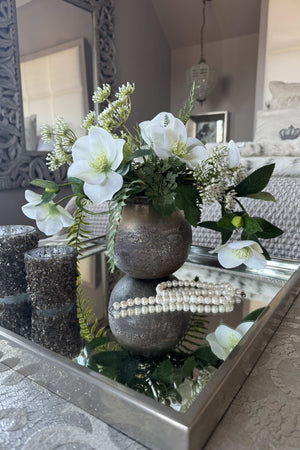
point(167, 136)
point(96, 157)
point(224, 338)
point(234, 157)
point(50, 218)
point(241, 252)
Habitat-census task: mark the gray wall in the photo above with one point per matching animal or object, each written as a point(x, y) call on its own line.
point(143, 56)
point(236, 61)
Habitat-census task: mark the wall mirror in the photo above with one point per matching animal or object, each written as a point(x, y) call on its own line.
point(85, 42)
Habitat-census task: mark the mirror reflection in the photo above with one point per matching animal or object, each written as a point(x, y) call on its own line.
point(56, 65)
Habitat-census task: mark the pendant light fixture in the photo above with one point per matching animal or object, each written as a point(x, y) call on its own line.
point(202, 74)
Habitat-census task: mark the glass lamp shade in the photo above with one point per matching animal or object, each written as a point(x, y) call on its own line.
point(205, 78)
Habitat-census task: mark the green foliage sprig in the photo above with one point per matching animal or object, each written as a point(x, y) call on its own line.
point(86, 317)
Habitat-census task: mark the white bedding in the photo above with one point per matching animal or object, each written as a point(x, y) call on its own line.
point(285, 155)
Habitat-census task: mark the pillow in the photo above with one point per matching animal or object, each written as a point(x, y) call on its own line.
point(292, 101)
point(281, 89)
point(270, 122)
point(30, 132)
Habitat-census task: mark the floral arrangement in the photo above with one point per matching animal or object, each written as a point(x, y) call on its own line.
point(112, 164)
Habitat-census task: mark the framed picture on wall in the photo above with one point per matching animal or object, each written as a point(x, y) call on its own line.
point(209, 127)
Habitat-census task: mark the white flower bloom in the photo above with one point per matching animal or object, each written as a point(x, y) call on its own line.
point(241, 252)
point(50, 218)
point(96, 157)
point(234, 157)
point(168, 136)
point(224, 338)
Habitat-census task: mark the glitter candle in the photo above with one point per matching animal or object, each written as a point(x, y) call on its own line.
point(51, 274)
point(15, 309)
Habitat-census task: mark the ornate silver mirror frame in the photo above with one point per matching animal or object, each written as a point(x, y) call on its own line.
point(17, 166)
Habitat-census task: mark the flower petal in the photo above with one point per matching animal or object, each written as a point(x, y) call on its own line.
point(118, 143)
point(29, 210)
point(228, 259)
point(99, 193)
point(240, 244)
point(227, 337)
point(256, 261)
point(81, 150)
point(66, 218)
point(216, 348)
point(244, 327)
point(33, 197)
point(195, 156)
point(144, 127)
point(83, 171)
point(234, 157)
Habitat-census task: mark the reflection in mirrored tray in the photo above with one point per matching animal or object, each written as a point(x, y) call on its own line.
point(176, 377)
point(188, 377)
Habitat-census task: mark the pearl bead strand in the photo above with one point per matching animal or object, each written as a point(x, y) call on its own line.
point(177, 295)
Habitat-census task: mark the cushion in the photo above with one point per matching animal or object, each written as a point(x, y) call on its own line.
point(270, 122)
point(281, 89)
point(292, 101)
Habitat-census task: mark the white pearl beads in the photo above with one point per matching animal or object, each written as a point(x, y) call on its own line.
point(182, 295)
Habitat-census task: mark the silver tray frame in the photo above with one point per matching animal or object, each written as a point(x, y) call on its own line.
point(143, 419)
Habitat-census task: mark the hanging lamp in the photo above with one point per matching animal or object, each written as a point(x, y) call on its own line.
point(202, 74)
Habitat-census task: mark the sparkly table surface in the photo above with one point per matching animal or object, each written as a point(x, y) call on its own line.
point(264, 414)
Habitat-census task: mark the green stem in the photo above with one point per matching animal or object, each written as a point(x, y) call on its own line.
point(65, 198)
point(239, 203)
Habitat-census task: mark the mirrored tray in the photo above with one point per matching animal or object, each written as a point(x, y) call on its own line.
point(149, 422)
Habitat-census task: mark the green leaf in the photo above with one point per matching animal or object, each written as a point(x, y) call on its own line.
point(164, 372)
point(123, 169)
point(269, 230)
point(139, 153)
point(128, 370)
point(76, 185)
point(226, 221)
point(97, 342)
point(166, 209)
point(266, 196)
point(185, 371)
point(253, 315)
point(251, 225)
point(45, 184)
point(226, 235)
point(255, 182)
point(252, 237)
point(47, 197)
point(186, 200)
point(212, 226)
point(205, 356)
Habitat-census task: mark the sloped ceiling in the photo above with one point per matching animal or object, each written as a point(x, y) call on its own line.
point(225, 19)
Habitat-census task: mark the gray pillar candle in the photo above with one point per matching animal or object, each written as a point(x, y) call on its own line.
point(51, 279)
point(15, 309)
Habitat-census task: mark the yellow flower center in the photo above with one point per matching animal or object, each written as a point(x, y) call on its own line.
point(234, 340)
point(242, 252)
point(179, 149)
point(100, 163)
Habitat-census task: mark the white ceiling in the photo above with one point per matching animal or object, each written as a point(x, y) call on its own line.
point(225, 19)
